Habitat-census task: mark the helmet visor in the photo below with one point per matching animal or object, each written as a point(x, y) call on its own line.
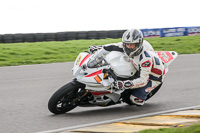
point(130, 47)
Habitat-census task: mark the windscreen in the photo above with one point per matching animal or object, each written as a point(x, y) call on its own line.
point(98, 59)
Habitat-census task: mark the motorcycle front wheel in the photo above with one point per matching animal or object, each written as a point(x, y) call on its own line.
point(62, 100)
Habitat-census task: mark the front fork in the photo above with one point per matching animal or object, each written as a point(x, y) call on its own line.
point(81, 96)
point(78, 84)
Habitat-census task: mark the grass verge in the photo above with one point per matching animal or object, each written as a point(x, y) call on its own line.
point(191, 129)
point(12, 54)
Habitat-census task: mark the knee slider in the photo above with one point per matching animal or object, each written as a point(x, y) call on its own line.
point(136, 100)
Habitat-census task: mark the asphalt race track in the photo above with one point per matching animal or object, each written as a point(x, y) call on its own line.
point(25, 91)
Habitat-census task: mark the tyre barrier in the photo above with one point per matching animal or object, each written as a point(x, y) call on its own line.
point(102, 35)
point(114, 34)
point(59, 36)
point(82, 35)
point(50, 37)
point(92, 35)
point(71, 35)
point(1, 41)
point(8, 38)
point(76, 35)
point(29, 38)
point(39, 37)
point(18, 38)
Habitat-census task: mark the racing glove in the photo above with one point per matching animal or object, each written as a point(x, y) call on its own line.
point(127, 84)
point(93, 49)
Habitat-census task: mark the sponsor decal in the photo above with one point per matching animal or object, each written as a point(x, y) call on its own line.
point(170, 32)
point(146, 64)
point(98, 79)
point(79, 59)
point(193, 31)
point(165, 56)
point(152, 33)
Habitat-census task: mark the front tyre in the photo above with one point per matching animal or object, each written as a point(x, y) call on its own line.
point(62, 100)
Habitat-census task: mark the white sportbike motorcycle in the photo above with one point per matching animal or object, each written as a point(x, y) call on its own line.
point(94, 76)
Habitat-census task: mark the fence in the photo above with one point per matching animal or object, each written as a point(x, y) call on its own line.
point(64, 36)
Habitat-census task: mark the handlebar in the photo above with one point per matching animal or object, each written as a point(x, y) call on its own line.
point(110, 73)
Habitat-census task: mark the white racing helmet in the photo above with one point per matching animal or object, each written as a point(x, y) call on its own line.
point(133, 36)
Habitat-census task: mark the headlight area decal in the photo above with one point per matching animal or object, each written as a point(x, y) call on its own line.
point(98, 79)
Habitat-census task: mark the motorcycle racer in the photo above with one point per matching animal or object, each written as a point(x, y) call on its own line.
point(148, 64)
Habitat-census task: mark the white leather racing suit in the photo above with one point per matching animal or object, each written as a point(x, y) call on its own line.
point(150, 67)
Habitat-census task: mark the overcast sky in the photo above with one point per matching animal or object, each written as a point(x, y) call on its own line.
point(31, 16)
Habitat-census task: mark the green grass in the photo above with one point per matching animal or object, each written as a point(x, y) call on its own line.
point(191, 129)
point(12, 54)
point(182, 45)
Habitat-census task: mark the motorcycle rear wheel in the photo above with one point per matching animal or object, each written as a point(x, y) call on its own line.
point(62, 100)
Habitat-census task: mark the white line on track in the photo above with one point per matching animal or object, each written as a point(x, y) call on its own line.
point(119, 119)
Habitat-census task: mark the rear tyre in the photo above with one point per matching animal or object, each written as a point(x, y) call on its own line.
point(62, 100)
